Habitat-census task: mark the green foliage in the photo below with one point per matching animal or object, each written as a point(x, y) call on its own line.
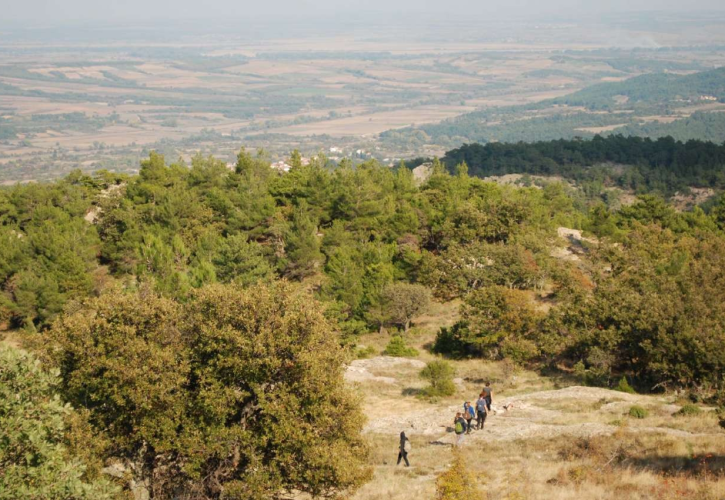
point(403, 301)
point(656, 314)
point(654, 87)
point(399, 349)
point(458, 482)
point(623, 386)
point(689, 410)
point(638, 412)
point(662, 165)
point(303, 244)
point(366, 352)
point(240, 390)
point(35, 461)
point(439, 375)
point(367, 235)
point(495, 322)
point(644, 300)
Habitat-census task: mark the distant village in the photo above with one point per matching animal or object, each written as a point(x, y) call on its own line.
point(335, 154)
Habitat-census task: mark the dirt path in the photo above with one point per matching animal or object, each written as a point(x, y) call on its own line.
point(573, 411)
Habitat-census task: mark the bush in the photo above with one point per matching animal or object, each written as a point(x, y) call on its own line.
point(35, 461)
point(365, 352)
point(458, 482)
point(519, 350)
point(689, 410)
point(638, 412)
point(450, 340)
point(623, 386)
point(397, 348)
point(440, 376)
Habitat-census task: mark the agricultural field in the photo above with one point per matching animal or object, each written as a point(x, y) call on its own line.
point(103, 102)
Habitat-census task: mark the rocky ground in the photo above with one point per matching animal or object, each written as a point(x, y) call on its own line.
point(528, 411)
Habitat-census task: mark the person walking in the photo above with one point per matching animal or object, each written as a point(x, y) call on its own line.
point(469, 413)
point(459, 424)
point(488, 393)
point(404, 449)
point(482, 411)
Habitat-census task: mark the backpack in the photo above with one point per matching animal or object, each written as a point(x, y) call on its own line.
point(459, 427)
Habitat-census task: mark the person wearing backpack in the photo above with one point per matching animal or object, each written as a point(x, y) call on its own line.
point(459, 424)
point(482, 411)
point(468, 414)
point(488, 394)
point(404, 449)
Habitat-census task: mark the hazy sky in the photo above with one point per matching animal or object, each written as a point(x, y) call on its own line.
point(63, 11)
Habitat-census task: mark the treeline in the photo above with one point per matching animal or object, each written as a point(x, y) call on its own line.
point(641, 164)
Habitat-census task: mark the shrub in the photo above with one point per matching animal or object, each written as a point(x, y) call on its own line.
point(440, 376)
point(623, 386)
point(451, 340)
point(458, 482)
point(397, 348)
point(519, 350)
point(689, 410)
point(365, 352)
point(35, 461)
point(638, 412)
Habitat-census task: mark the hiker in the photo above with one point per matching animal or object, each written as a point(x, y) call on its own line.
point(468, 414)
point(488, 393)
point(459, 424)
point(481, 410)
point(404, 449)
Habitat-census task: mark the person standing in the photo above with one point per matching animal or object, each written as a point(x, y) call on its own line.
point(488, 393)
point(404, 449)
point(482, 411)
point(459, 424)
point(469, 414)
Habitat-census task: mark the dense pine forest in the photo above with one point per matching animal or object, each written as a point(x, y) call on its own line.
point(176, 310)
point(643, 165)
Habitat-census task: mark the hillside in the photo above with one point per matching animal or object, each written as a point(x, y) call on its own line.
point(547, 438)
point(199, 322)
point(655, 88)
point(652, 105)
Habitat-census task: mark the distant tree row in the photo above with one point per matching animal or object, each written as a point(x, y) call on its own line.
point(643, 165)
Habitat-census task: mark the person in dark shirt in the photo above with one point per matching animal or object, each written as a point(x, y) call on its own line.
point(488, 394)
point(482, 411)
point(404, 448)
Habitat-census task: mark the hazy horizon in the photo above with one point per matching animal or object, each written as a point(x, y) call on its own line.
point(57, 14)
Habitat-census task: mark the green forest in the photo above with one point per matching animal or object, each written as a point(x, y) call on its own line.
point(650, 89)
point(643, 165)
point(195, 320)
